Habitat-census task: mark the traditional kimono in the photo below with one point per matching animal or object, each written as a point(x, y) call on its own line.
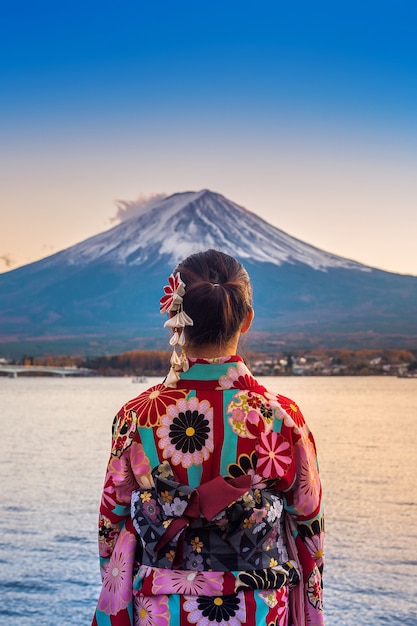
point(211, 509)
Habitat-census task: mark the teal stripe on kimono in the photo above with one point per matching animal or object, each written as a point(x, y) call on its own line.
point(200, 371)
point(278, 422)
point(130, 611)
point(102, 619)
point(194, 475)
point(229, 450)
point(148, 442)
point(121, 510)
point(262, 609)
point(174, 608)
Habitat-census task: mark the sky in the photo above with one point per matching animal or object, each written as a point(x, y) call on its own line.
point(304, 113)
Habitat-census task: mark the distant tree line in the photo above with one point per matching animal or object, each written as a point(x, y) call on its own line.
point(133, 363)
point(156, 362)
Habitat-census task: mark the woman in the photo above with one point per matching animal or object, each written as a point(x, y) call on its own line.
point(211, 508)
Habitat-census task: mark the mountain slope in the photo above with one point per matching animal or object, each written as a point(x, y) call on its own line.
point(183, 223)
point(102, 294)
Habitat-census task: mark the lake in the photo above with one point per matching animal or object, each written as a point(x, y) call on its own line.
point(55, 445)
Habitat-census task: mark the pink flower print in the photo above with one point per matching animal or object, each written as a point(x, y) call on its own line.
point(256, 423)
point(121, 475)
point(104, 566)
point(140, 465)
point(187, 582)
point(253, 417)
point(307, 496)
point(315, 546)
point(283, 607)
point(186, 432)
point(274, 455)
point(277, 599)
point(116, 591)
point(238, 414)
point(237, 377)
point(244, 420)
point(127, 472)
point(269, 597)
point(256, 520)
point(258, 515)
point(151, 610)
point(272, 399)
point(257, 480)
point(108, 498)
point(142, 573)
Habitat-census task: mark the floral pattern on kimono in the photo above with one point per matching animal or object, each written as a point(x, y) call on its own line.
point(211, 508)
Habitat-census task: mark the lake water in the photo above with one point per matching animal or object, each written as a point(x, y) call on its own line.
point(55, 442)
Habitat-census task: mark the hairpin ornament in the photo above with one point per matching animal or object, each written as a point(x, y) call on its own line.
point(172, 301)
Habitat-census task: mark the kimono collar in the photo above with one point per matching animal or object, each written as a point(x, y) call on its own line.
point(228, 372)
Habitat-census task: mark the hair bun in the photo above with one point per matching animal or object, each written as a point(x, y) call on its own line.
point(217, 313)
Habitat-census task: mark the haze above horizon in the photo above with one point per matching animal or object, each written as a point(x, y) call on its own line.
point(302, 114)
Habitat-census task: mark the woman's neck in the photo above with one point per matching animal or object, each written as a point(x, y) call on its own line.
point(211, 351)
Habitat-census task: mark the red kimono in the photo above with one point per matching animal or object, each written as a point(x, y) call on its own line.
point(211, 509)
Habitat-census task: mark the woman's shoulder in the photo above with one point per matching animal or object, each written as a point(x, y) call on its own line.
point(147, 408)
point(287, 408)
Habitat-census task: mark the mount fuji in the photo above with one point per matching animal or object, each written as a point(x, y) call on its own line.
point(102, 295)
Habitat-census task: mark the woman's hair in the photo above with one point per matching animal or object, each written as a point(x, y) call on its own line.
point(218, 296)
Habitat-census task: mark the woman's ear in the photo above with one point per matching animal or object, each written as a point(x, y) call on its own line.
point(247, 322)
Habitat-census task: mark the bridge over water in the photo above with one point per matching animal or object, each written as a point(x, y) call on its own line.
point(13, 371)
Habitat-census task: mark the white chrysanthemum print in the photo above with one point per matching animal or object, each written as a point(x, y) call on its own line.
point(186, 432)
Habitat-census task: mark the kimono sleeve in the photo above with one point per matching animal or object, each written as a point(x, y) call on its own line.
point(118, 545)
point(303, 505)
point(303, 492)
point(127, 470)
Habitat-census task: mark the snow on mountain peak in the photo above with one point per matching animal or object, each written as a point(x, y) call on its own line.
point(188, 222)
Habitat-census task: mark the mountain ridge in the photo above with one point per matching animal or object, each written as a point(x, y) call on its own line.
point(103, 293)
point(201, 209)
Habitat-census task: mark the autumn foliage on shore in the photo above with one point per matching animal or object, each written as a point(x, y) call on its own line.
point(156, 362)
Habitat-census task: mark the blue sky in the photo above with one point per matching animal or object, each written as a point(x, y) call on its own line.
point(304, 113)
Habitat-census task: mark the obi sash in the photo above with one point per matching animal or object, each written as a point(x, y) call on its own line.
point(222, 525)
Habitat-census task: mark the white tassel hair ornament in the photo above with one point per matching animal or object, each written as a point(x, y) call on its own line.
point(172, 301)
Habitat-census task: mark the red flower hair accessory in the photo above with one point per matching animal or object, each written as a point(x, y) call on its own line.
point(174, 291)
point(172, 301)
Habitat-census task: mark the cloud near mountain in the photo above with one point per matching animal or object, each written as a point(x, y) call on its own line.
point(127, 209)
point(7, 260)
